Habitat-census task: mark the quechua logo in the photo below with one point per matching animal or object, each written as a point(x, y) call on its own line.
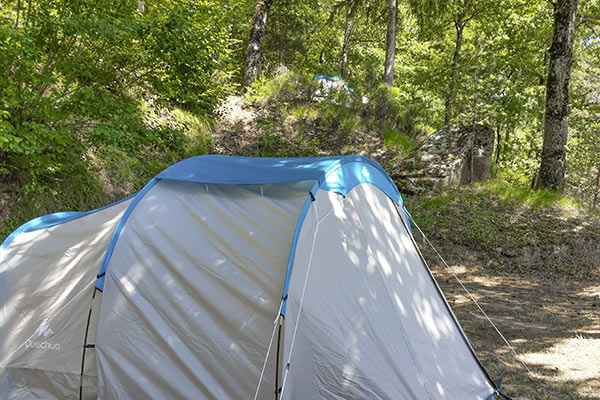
point(43, 331)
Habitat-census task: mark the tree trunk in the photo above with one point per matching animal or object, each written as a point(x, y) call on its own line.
point(18, 11)
point(390, 43)
point(459, 24)
point(498, 143)
point(28, 17)
point(257, 33)
point(597, 192)
point(475, 92)
point(552, 167)
point(347, 36)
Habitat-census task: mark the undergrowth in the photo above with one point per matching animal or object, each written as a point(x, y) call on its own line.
point(520, 230)
point(104, 172)
point(312, 121)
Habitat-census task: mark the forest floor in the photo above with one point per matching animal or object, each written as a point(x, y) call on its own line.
point(547, 308)
point(553, 324)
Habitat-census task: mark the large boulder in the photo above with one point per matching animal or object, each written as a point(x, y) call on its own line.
point(451, 155)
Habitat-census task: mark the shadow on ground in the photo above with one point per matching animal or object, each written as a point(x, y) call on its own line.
point(552, 323)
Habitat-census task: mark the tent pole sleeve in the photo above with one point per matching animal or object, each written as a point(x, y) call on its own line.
point(118, 230)
point(309, 199)
point(277, 359)
point(85, 344)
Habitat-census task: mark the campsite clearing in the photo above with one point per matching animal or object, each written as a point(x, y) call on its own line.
point(554, 325)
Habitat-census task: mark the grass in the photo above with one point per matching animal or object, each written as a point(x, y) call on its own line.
point(392, 138)
point(522, 195)
point(541, 231)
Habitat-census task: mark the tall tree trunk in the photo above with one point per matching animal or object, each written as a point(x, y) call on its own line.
point(498, 143)
point(597, 191)
point(552, 167)
point(18, 11)
point(475, 92)
point(347, 36)
point(390, 43)
point(28, 17)
point(459, 24)
point(257, 33)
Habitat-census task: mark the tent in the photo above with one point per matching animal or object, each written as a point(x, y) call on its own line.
point(233, 278)
point(331, 84)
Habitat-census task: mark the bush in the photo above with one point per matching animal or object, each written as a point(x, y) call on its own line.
point(393, 110)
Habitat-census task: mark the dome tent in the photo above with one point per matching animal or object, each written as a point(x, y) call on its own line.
point(232, 277)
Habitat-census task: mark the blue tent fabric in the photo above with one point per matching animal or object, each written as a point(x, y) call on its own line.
point(117, 233)
point(328, 77)
point(338, 173)
point(334, 79)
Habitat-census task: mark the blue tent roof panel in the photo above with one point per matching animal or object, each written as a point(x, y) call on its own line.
point(336, 173)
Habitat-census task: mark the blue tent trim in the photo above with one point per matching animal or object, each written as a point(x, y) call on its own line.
point(341, 178)
point(118, 230)
point(51, 220)
point(217, 169)
point(339, 174)
point(328, 77)
point(288, 273)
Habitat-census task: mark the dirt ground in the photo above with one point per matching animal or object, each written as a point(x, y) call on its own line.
point(552, 323)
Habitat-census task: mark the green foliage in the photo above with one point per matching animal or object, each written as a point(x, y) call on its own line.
point(188, 50)
point(395, 110)
point(520, 159)
point(393, 138)
point(78, 78)
point(283, 90)
point(80, 81)
point(305, 122)
point(518, 195)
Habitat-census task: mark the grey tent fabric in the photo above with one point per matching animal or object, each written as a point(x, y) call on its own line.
point(190, 316)
point(46, 286)
point(178, 292)
point(371, 322)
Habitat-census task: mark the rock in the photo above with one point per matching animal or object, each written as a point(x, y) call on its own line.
point(451, 155)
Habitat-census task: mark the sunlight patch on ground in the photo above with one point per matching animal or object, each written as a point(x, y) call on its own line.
point(590, 291)
point(572, 359)
point(459, 269)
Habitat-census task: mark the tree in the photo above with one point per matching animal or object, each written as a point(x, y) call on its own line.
point(390, 43)
point(460, 22)
point(553, 164)
point(463, 12)
point(350, 23)
point(261, 11)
